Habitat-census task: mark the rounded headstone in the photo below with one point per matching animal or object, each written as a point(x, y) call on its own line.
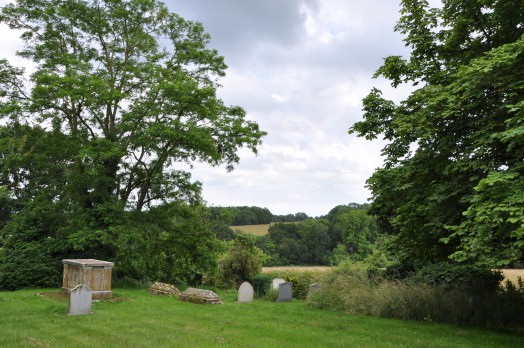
point(245, 292)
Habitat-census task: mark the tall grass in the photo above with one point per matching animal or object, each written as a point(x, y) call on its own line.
point(350, 289)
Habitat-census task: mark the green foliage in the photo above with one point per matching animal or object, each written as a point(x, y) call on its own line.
point(300, 285)
point(170, 243)
point(89, 143)
point(463, 277)
point(290, 217)
point(262, 284)
point(305, 243)
point(251, 216)
point(242, 261)
point(451, 183)
point(29, 265)
point(356, 229)
point(350, 288)
point(339, 255)
point(314, 241)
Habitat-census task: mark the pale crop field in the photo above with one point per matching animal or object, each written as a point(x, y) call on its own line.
point(256, 230)
point(513, 275)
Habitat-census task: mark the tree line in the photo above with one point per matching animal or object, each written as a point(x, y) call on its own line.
point(244, 215)
point(123, 91)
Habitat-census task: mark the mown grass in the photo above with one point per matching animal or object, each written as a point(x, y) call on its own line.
point(137, 319)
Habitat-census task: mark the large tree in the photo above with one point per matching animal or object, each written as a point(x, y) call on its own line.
point(452, 185)
point(123, 91)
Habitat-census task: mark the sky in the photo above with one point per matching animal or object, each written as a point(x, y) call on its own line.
point(300, 69)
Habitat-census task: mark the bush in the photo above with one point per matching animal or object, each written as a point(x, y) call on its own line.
point(241, 263)
point(29, 266)
point(464, 277)
point(399, 271)
point(350, 289)
point(262, 284)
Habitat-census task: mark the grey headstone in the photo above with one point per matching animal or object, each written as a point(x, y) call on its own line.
point(80, 300)
point(276, 283)
point(285, 292)
point(245, 292)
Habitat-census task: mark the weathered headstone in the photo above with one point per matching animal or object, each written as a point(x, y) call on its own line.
point(276, 283)
point(285, 292)
point(245, 292)
point(80, 300)
point(158, 288)
point(199, 296)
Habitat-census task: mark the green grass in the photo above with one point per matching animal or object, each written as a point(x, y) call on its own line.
point(136, 319)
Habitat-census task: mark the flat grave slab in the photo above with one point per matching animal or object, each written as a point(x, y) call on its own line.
point(158, 288)
point(199, 296)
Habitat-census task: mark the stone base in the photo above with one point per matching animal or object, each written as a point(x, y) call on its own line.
point(97, 295)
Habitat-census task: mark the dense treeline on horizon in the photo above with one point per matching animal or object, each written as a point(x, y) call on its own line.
point(347, 231)
point(244, 215)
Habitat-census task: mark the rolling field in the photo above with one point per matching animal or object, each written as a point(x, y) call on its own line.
point(256, 230)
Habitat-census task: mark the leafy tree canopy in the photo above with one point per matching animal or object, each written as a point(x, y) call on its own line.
point(452, 184)
point(123, 92)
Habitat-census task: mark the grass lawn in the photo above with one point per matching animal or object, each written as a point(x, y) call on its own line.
point(136, 319)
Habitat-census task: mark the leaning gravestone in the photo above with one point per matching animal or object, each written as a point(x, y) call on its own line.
point(276, 283)
point(245, 293)
point(285, 292)
point(158, 288)
point(199, 296)
point(80, 300)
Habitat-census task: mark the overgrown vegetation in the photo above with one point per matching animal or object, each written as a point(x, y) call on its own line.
point(460, 295)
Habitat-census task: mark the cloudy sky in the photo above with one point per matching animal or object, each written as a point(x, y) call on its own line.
point(299, 68)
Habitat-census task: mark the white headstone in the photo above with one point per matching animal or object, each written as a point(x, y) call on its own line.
point(245, 292)
point(276, 283)
point(285, 292)
point(80, 300)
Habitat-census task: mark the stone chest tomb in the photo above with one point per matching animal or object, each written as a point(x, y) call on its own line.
point(95, 274)
point(200, 296)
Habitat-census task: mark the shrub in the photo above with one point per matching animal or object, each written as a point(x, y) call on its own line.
point(262, 284)
point(242, 261)
point(399, 271)
point(349, 288)
point(29, 266)
point(464, 277)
